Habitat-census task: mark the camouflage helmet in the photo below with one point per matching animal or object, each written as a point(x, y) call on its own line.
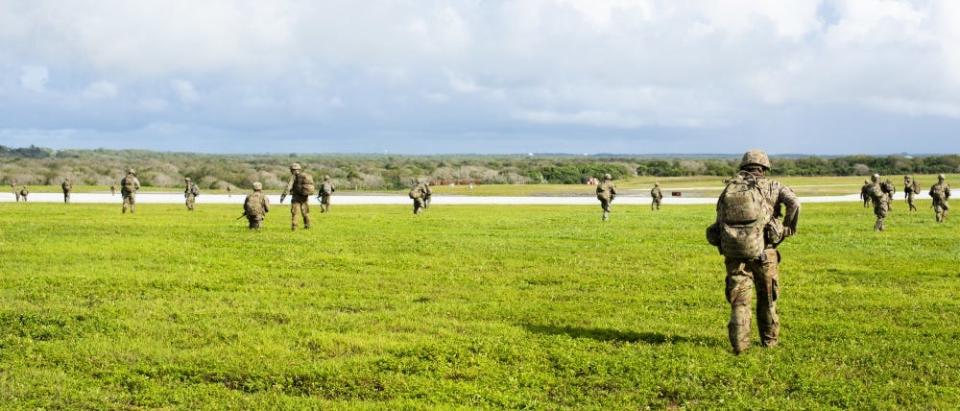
point(131, 171)
point(607, 176)
point(875, 178)
point(295, 166)
point(186, 178)
point(326, 178)
point(941, 177)
point(656, 184)
point(755, 158)
point(257, 186)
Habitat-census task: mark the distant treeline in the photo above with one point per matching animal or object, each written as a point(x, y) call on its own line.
point(42, 166)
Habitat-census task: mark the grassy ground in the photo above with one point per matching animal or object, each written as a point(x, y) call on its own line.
point(689, 186)
point(464, 306)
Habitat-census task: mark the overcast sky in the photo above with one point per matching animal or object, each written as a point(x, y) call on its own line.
point(482, 76)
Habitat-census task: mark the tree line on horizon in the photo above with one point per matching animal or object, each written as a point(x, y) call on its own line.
point(44, 166)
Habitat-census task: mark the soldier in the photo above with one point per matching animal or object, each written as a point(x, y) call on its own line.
point(940, 193)
point(864, 193)
point(880, 199)
point(16, 192)
point(190, 193)
point(300, 187)
point(326, 190)
point(229, 190)
point(129, 185)
point(417, 194)
point(657, 196)
point(66, 186)
point(910, 189)
point(256, 206)
point(427, 193)
point(23, 193)
point(747, 232)
point(113, 189)
point(606, 192)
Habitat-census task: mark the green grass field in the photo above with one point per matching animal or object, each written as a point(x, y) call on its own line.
point(464, 307)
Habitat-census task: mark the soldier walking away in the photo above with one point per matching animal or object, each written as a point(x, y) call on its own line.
point(940, 193)
point(418, 195)
point(23, 193)
point(427, 194)
point(67, 186)
point(16, 192)
point(190, 193)
point(326, 190)
point(864, 193)
point(606, 192)
point(256, 206)
point(129, 185)
point(300, 188)
point(113, 189)
point(747, 232)
point(657, 196)
point(881, 201)
point(910, 189)
point(229, 190)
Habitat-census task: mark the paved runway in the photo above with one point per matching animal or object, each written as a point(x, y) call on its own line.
point(347, 199)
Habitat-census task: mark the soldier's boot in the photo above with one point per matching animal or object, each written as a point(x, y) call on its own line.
point(306, 221)
point(878, 226)
point(606, 216)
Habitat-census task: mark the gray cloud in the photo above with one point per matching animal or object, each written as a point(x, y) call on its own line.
point(431, 76)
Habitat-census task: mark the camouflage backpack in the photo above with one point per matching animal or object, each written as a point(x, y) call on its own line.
point(415, 193)
point(743, 214)
point(128, 184)
point(194, 190)
point(252, 206)
point(303, 185)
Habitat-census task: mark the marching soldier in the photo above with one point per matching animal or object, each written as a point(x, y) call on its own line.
point(300, 188)
point(66, 186)
point(23, 193)
point(16, 192)
point(910, 190)
point(129, 185)
point(417, 194)
point(190, 193)
point(881, 201)
point(256, 206)
point(748, 229)
point(940, 193)
point(657, 196)
point(606, 192)
point(326, 190)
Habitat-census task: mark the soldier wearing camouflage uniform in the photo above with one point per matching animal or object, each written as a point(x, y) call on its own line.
point(326, 190)
point(864, 193)
point(940, 193)
point(747, 232)
point(66, 186)
point(300, 188)
point(418, 194)
point(657, 196)
point(427, 194)
point(606, 192)
point(113, 190)
point(256, 206)
point(190, 193)
point(129, 185)
point(23, 193)
point(910, 190)
point(878, 193)
point(889, 189)
point(16, 193)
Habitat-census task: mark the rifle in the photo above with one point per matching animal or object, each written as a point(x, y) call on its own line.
point(241, 216)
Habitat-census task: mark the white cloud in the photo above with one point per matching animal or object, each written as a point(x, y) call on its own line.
point(185, 91)
point(152, 104)
point(34, 78)
point(100, 89)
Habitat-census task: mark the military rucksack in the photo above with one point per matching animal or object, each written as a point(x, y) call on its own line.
point(744, 214)
point(415, 193)
point(326, 189)
point(194, 190)
point(128, 184)
point(252, 205)
point(303, 185)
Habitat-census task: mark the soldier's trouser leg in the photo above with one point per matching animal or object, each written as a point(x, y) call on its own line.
point(128, 204)
point(302, 208)
point(66, 198)
point(324, 204)
point(417, 205)
point(766, 279)
point(254, 222)
point(605, 204)
point(739, 292)
point(881, 212)
point(938, 210)
point(910, 203)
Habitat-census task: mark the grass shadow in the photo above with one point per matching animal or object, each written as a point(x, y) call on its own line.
point(616, 336)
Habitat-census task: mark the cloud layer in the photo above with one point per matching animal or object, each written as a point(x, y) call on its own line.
point(643, 76)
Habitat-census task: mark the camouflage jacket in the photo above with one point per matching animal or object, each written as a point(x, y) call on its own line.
point(256, 204)
point(606, 190)
point(656, 193)
point(940, 192)
point(327, 188)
